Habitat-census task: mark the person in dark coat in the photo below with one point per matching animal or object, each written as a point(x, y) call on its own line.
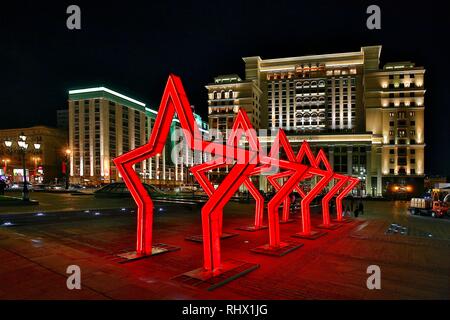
point(361, 207)
point(2, 187)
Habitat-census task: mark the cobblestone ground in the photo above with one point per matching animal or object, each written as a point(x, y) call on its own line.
point(34, 256)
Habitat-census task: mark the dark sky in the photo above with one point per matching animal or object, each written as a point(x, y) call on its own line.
point(132, 46)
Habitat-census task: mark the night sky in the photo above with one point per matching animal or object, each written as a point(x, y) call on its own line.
point(132, 46)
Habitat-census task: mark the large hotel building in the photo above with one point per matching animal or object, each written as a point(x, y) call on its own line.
point(369, 119)
point(104, 124)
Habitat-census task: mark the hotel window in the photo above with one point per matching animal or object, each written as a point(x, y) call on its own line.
point(391, 151)
point(391, 133)
point(391, 171)
point(412, 171)
point(401, 161)
point(391, 114)
point(401, 133)
point(412, 161)
point(391, 76)
point(412, 151)
point(412, 123)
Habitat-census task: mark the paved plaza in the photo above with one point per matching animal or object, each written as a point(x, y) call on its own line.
point(35, 251)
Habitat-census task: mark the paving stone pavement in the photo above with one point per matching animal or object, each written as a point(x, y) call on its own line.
point(34, 258)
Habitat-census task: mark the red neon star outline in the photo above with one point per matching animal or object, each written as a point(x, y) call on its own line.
point(174, 100)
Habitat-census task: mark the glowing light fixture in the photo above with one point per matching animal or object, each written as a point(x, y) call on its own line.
point(89, 90)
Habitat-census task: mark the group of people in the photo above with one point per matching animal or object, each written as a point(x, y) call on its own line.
point(352, 207)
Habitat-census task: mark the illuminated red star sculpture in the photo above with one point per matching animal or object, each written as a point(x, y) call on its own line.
point(244, 163)
point(247, 163)
point(174, 99)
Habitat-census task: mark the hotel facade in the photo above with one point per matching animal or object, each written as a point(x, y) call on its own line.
point(368, 119)
point(104, 124)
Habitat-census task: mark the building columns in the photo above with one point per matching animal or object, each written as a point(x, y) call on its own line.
point(349, 160)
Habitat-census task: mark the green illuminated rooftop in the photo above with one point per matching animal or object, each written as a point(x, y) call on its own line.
point(105, 93)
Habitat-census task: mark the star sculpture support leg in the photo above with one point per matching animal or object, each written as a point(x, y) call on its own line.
point(241, 127)
point(286, 202)
point(352, 182)
point(342, 180)
point(276, 247)
point(214, 272)
point(307, 232)
point(199, 173)
point(281, 142)
point(244, 162)
point(174, 99)
point(259, 207)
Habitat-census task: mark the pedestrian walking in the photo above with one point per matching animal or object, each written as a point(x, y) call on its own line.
point(361, 207)
point(347, 210)
point(2, 187)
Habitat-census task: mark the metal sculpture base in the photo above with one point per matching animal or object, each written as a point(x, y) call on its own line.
point(330, 226)
point(313, 235)
point(231, 270)
point(284, 248)
point(158, 248)
point(199, 237)
point(252, 228)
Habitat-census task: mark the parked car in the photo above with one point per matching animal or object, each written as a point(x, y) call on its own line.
point(56, 187)
point(19, 186)
point(120, 190)
point(40, 187)
point(186, 188)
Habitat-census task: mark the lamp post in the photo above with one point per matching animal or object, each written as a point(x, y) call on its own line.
point(67, 153)
point(22, 148)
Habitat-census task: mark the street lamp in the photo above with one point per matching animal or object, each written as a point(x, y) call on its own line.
point(8, 143)
point(23, 147)
point(67, 152)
